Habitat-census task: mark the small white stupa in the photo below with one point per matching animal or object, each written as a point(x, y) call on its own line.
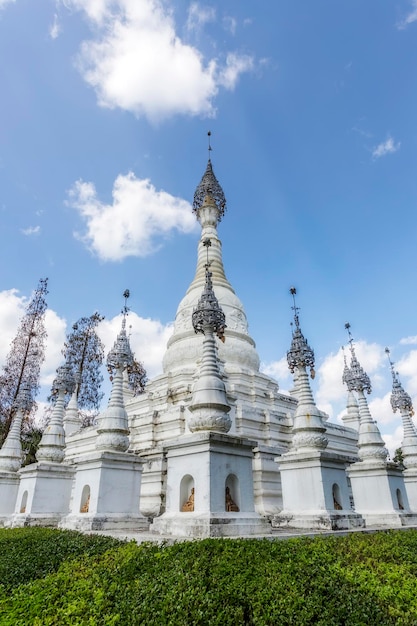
point(378, 488)
point(400, 400)
point(315, 491)
point(11, 455)
point(45, 486)
point(106, 486)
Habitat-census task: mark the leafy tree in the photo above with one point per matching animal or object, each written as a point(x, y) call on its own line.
point(84, 353)
point(398, 457)
point(31, 437)
point(26, 355)
point(136, 375)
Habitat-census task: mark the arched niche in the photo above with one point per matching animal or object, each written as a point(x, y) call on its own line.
point(24, 502)
point(400, 500)
point(85, 499)
point(337, 497)
point(232, 494)
point(186, 503)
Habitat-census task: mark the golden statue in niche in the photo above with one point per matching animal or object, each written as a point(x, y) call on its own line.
point(336, 504)
point(231, 506)
point(86, 505)
point(189, 505)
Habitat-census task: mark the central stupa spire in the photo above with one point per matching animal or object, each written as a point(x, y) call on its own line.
point(184, 347)
point(209, 406)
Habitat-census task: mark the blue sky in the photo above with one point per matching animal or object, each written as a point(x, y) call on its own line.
point(105, 106)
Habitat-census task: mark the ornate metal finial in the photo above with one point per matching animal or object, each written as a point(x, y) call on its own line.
point(121, 356)
point(64, 380)
point(295, 308)
point(399, 398)
point(207, 245)
point(209, 185)
point(126, 295)
point(125, 309)
point(208, 312)
point(300, 354)
point(355, 377)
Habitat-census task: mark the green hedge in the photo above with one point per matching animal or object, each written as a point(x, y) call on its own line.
point(359, 579)
point(30, 553)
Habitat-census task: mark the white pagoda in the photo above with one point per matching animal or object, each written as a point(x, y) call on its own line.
point(212, 447)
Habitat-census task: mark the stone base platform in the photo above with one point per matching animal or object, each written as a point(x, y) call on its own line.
point(202, 525)
point(118, 523)
point(321, 520)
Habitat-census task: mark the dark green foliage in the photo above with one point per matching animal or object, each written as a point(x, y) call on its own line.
point(360, 579)
point(30, 553)
point(398, 457)
point(31, 437)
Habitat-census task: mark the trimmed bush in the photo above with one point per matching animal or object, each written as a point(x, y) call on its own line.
point(367, 579)
point(30, 553)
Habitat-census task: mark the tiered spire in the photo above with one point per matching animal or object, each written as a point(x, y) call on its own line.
point(308, 426)
point(11, 451)
point(300, 354)
point(183, 347)
point(370, 443)
point(400, 400)
point(355, 377)
point(113, 427)
point(209, 406)
point(121, 355)
point(352, 416)
point(72, 421)
point(208, 313)
point(52, 445)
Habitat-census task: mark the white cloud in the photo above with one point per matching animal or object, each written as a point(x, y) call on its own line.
point(148, 339)
point(136, 221)
point(381, 410)
point(407, 366)
point(12, 309)
point(138, 63)
point(385, 147)
point(230, 24)
point(409, 341)
point(56, 328)
point(393, 440)
point(331, 392)
point(3, 3)
point(55, 28)
point(278, 370)
point(31, 230)
point(410, 18)
point(198, 15)
point(235, 65)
